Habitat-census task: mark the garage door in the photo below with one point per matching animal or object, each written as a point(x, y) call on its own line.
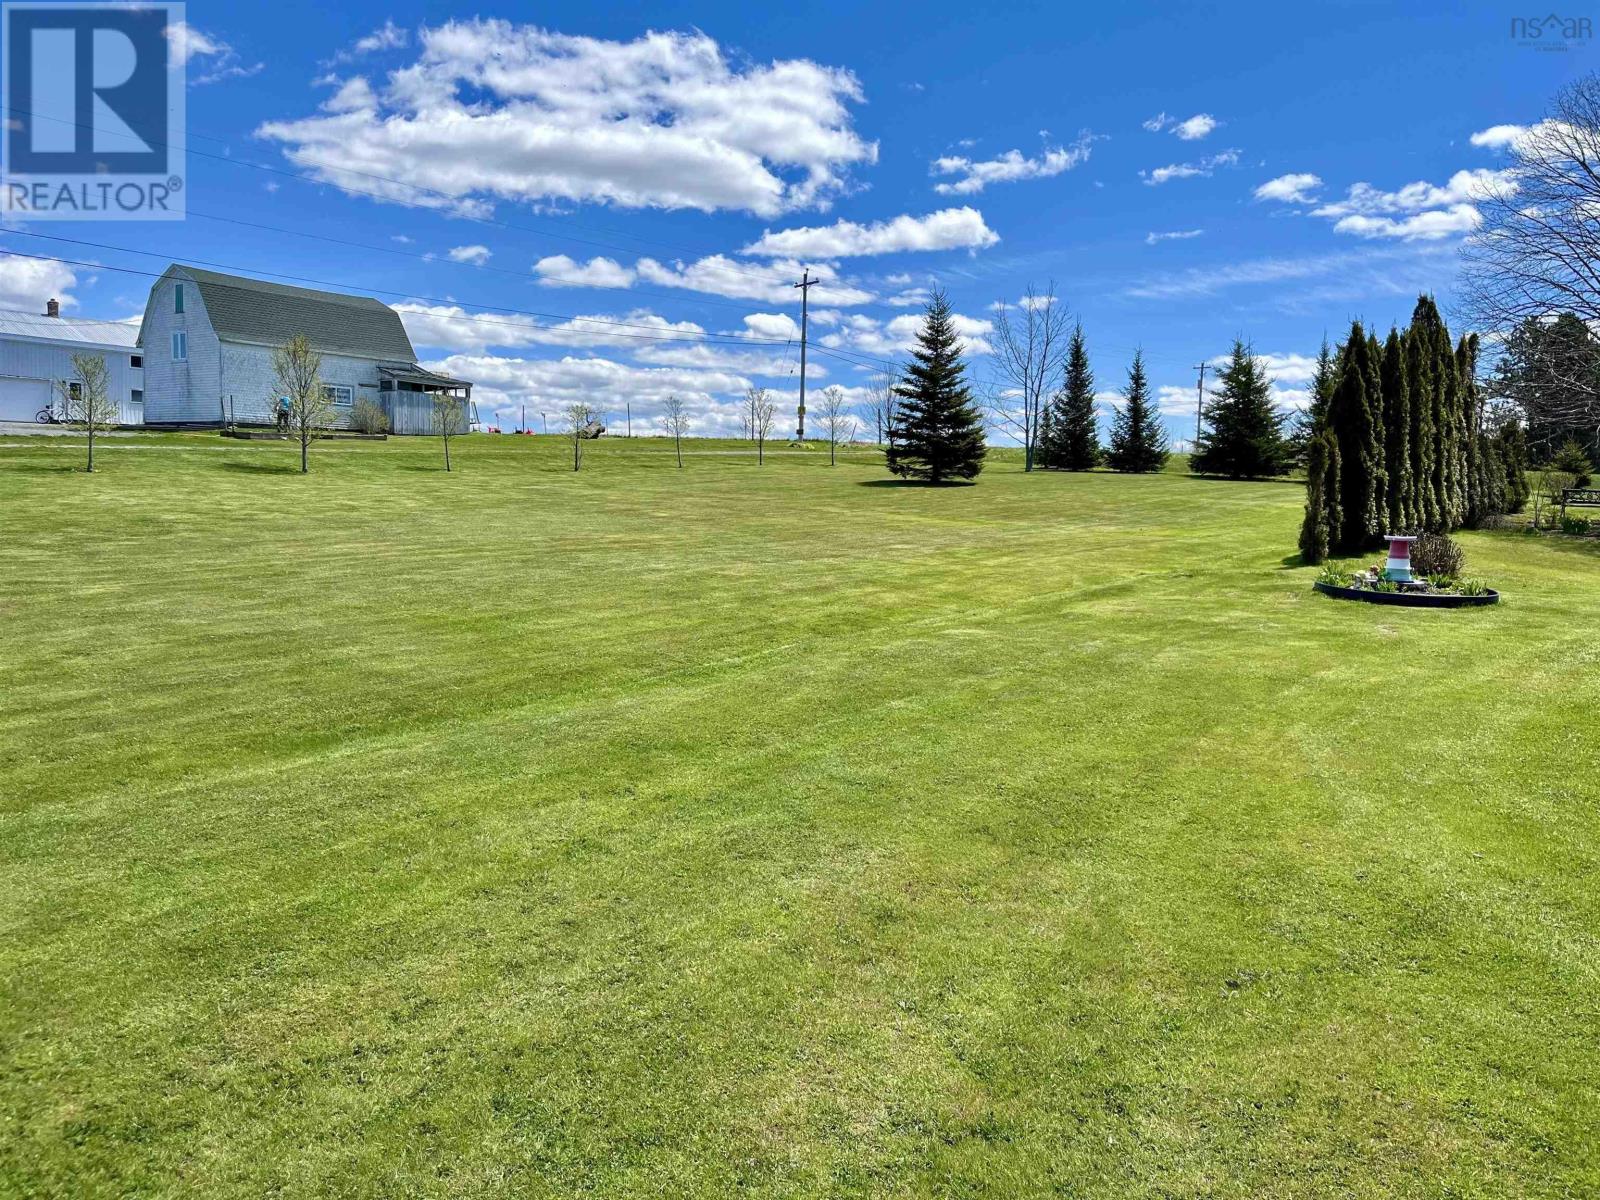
point(20, 399)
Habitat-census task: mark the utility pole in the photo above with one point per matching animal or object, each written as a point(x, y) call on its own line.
point(630, 418)
point(522, 423)
point(805, 285)
point(546, 421)
point(1199, 403)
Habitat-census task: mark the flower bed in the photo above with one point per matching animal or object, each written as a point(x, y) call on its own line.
point(1438, 591)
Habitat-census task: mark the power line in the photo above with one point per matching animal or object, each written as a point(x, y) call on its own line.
point(454, 200)
point(728, 338)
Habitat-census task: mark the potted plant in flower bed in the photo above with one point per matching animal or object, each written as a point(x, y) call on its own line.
point(1433, 580)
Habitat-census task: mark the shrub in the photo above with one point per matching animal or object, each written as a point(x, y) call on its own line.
point(1442, 583)
point(1473, 587)
point(1334, 577)
point(1572, 460)
point(1576, 525)
point(1437, 554)
point(368, 417)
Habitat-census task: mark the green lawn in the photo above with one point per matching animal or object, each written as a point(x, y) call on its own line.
point(652, 833)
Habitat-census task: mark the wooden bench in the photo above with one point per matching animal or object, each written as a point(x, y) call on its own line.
point(1579, 498)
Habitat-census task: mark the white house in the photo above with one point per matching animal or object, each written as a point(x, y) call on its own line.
point(36, 359)
point(208, 340)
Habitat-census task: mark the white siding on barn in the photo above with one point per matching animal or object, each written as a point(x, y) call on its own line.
point(250, 385)
point(181, 392)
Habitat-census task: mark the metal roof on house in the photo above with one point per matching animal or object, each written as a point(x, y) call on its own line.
point(100, 335)
point(269, 314)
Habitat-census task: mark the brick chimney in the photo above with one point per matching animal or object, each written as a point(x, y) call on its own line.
point(53, 308)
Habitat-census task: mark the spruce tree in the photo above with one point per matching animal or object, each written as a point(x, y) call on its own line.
point(1513, 441)
point(1396, 436)
point(1322, 528)
point(1076, 441)
point(1322, 383)
point(938, 432)
point(1243, 438)
point(1353, 415)
point(1138, 441)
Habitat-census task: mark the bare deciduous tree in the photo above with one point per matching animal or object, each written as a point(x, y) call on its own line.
point(759, 413)
point(882, 406)
point(1030, 351)
point(837, 421)
point(675, 420)
point(578, 417)
point(1537, 251)
point(86, 402)
point(301, 394)
point(449, 419)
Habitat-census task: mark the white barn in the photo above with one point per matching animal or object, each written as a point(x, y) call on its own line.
point(36, 358)
point(208, 340)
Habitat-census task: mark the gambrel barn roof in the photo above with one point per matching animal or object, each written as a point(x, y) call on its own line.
point(269, 314)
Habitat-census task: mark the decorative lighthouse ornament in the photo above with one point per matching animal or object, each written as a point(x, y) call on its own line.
point(1398, 568)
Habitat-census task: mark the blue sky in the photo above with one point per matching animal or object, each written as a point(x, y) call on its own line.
point(1183, 176)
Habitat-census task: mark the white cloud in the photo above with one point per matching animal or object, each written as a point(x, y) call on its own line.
point(1205, 166)
point(868, 335)
point(26, 283)
point(719, 275)
point(389, 37)
point(716, 275)
point(772, 325)
point(948, 229)
point(1418, 211)
point(1513, 137)
point(1290, 189)
point(451, 327)
point(1462, 188)
point(353, 95)
point(1196, 127)
point(185, 44)
point(1009, 167)
point(491, 110)
point(475, 254)
point(560, 271)
point(1176, 235)
point(1428, 226)
point(1190, 130)
point(502, 384)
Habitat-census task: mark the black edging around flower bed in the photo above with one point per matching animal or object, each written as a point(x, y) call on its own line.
point(1407, 599)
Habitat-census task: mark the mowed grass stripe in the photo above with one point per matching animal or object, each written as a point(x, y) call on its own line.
point(650, 832)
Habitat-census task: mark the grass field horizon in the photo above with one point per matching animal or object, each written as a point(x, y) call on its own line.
point(779, 829)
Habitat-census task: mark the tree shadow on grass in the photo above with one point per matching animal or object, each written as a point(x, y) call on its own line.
point(43, 469)
point(258, 468)
point(915, 483)
point(1298, 481)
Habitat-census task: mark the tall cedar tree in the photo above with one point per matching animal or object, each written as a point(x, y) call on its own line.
point(1396, 435)
point(1243, 438)
point(1075, 441)
point(1422, 384)
point(1138, 442)
point(1353, 416)
point(938, 432)
point(1315, 417)
point(1513, 441)
point(1321, 529)
point(1447, 431)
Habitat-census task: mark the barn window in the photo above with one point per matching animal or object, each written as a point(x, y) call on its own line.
point(177, 299)
point(137, 361)
point(341, 396)
point(180, 347)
